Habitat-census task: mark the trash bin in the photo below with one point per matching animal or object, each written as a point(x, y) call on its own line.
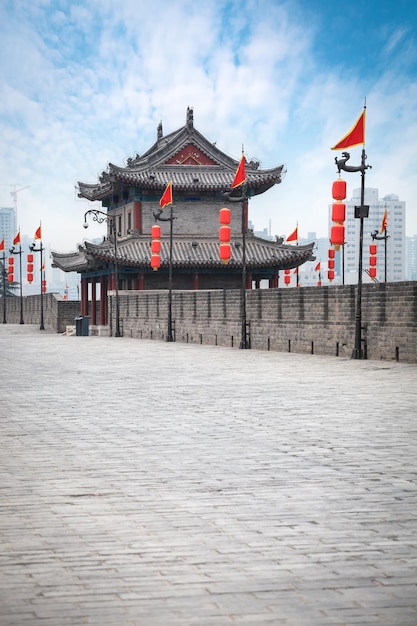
point(78, 326)
point(82, 324)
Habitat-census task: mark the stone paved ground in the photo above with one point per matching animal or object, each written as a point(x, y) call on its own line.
point(156, 484)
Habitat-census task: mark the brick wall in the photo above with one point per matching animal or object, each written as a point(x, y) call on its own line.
point(318, 320)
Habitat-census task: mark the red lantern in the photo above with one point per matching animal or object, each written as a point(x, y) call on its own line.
point(30, 258)
point(330, 264)
point(330, 274)
point(30, 277)
point(224, 216)
point(337, 235)
point(156, 246)
point(44, 286)
point(155, 262)
point(225, 253)
point(372, 248)
point(287, 279)
point(372, 272)
point(156, 231)
point(339, 212)
point(372, 261)
point(331, 253)
point(224, 234)
point(10, 270)
point(339, 189)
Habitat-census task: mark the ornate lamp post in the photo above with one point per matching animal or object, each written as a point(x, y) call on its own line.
point(243, 199)
point(100, 217)
point(361, 212)
point(170, 219)
point(40, 249)
point(19, 252)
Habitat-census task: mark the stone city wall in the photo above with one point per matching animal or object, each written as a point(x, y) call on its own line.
point(317, 320)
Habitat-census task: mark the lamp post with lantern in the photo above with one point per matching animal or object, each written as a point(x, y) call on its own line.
point(100, 217)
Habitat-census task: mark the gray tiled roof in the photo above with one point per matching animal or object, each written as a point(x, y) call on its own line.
point(187, 252)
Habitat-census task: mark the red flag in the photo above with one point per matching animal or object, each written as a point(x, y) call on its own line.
point(240, 176)
point(384, 222)
point(16, 240)
point(317, 268)
point(38, 234)
point(294, 235)
point(355, 136)
point(2, 245)
point(166, 196)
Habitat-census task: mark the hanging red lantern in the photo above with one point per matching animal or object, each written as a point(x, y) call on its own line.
point(30, 277)
point(225, 253)
point(224, 234)
point(155, 246)
point(330, 264)
point(156, 231)
point(337, 235)
point(372, 248)
point(331, 253)
point(10, 270)
point(338, 212)
point(330, 274)
point(155, 262)
point(372, 261)
point(372, 272)
point(339, 189)
point(30, 258)
point(224, 216)
point(44, 286)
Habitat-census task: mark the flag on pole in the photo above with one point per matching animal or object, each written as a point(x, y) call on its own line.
point(317, 268)
point(384, 222)
point(16, 240)
point(166, 196)
point(355, 136)
point(2, 245)
point(240, 176)
point(38, 233)
point(294, 235)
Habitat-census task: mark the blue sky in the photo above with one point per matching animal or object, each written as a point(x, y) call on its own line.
point(86, 83)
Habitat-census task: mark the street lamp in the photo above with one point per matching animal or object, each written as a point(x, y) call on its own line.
point(19, 252)
point(40, 249)
point(243, 199)
point(100, 217)
point(170, 219)
point(361, 212)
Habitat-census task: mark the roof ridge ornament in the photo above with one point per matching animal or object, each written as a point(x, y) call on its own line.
point(160, 132)
point(190, 118)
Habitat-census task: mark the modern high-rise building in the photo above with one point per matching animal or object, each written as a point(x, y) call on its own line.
point(411, 258)
point(7, 226)
point(348, 256)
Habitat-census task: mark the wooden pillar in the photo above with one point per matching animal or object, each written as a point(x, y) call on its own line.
point(93, 319)
point(84, 296)
point(248, 281)
point(137, 216)
point(196, 281)
point(103, 300)
point(141, 281)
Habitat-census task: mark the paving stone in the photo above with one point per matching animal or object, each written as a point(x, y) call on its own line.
point(145, 483)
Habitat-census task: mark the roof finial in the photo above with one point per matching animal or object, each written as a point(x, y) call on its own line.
point(190, 118)
point(160, 133)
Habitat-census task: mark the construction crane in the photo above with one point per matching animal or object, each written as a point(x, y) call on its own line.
point(14, 196)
